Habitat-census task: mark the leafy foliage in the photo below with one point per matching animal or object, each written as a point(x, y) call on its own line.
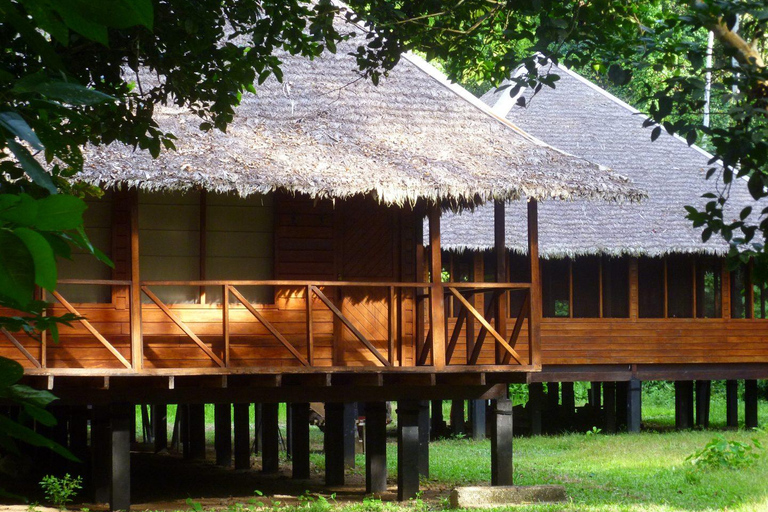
point(721, 452)
point(60, 491)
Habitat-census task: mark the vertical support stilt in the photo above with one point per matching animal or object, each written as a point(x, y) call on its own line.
point(242, 436)
point(256, 428)
point(160, 427)
point(288, 430)
point(477, 419)
point(622, 405)
point(535, 399)
point(609, 406)
point(334, 443)
point(182, 414)
point(375, 447)
point(270, 449)
point(732, 403)
point(683, 405)
point(100, 453)
point(78, 433)
point(407, 449)
point(553, 396)
point(132, 427)
point(350, 433)
point(569, 404)
point(223, 434)
point(750, 404)
point(120, 466)
point(634, 406)
point(703, 395)
point(458, 427)
point(595, 395)
point(424, 438)
point(196, 431)
point(501, 442)
point(437, 426)
point(300, 440)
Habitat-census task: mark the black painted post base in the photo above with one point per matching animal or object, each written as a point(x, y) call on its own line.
point(622, 405)
point(159, 418)
point(703, 395)
point(100, 453)
point(270, 449)
point(223, 434)
point(437, 425)
point(535, 405)
point(634, 406)
point(683, 405)
point(300, 440)
point(350, 433)
point(477, 419)
point(407, 449)
point(375, 447)
point(196, 431)
point(334, 444)
point(242, 436)
point(120, 466)
point(458, 427)
point(569, 405)
point(609, 407)
point(750, 404)
point(732, 403)
point(501, 442)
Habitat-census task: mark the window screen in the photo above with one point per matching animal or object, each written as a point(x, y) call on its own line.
point(615, 287)
point(680, 286)
point(586, 287)
point(555, 284)
point(650, 287)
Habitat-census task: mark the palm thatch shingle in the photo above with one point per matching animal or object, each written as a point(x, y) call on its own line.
point(585, 120)
point(327, 133)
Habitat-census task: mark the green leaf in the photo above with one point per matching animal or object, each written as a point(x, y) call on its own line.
point(17, 269)
point(42, 256)
point(71, 92)
point(60, 212)
point(29, 436)
point(10, 372)
point(15, 124)
point(19, 209)
point(29, 395)
point(31, 166)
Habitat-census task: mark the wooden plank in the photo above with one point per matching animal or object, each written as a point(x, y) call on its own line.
point(392, 321)
point(436, 291)
point(137, 345)
point(534, 316)
point(500, 250)
point(725, 290)
point(225, 322)
point(478, 345)
point(460, 319)
point(633, 290)
point(203, 242)
point(666, 287)
point(92, 330)
point(421, 357)
point(310, 329)
point(271, 328)
point(21, 348)
point(750, 295)
point(600, 287)
point(524, 312)
point(349, 326)
point(182, 326)
point(485, 324)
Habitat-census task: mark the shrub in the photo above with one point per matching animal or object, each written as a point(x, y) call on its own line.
point(60, 491)
point(720, 452)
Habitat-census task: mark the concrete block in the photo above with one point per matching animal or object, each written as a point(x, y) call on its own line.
point(491, 497)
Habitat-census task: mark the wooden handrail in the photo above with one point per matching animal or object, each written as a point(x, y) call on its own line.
point(105, 282)
point(327, 284)
point(32, 359)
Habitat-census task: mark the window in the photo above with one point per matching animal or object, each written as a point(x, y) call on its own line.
point(519, 272)
point(680, 273)
point(555, 284)
point(708, 288)
point(738, 292)
point(98, 226)
point(586, 287)
point(615, 287)
point(650, 288)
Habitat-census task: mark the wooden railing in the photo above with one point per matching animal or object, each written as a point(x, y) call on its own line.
point(315, 295)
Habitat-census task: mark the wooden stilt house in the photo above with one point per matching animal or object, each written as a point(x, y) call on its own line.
point(629, 292)
point(282, 262)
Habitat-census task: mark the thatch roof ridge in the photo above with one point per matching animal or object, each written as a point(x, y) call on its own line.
point(584, 119)
point(325, 133)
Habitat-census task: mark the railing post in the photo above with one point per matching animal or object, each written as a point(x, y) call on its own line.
point(225, 321)
point(534, 318)
point(310, 336)
point(436, 292)
point(137, 348)
point(500, 248)
point(392, 328)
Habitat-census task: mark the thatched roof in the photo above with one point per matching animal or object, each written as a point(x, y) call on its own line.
point(327, 133)
point(585, 120)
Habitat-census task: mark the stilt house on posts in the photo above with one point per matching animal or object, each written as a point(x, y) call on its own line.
point(282, 261)
point(629, 292)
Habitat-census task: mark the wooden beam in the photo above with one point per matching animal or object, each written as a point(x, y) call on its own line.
point(524, 312)
point(310, 335)
point(21, 348)
point(570, 287)
point(725, 290)
point(460, 319)
point(182, 326)
point(203, 242)
point(666, 287)
point(478, 344)
point(96, 334)
point(750, 295)
point(534, 317)
point(600, 286)
point(436, 297)
point(137, 341)
point(633, 290)
point(225, 322)
point(695, 288)
point(348, 324)
point(392, 325)
point(500, 251)
point(266, 323)
point(477, 300)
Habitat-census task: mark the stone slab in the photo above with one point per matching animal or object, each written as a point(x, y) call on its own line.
point(490, 497)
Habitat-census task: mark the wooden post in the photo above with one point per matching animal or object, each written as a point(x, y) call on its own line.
point(501, 443)
point(634, 406)
point(334, 443)
point(203, 255)
point(725, 289)
point(375, 447)
point(477, 418)
point(437, 423)
point(270, 450)
point(458, 428)
point(196, 431)
point(476, 299)
point(703, 394)
point(350, 432)
point(424, 438)
point(634, 294)
point(535, 399)
point(609, 406)
point(683, 405)
point(500, 249)
point(242, 436)
point(407, 449)
point(257, 438)
point(100, 454)
point(160, 426)
point(223, 434)
point(120, 467)
point(534, 318)
point(732, 403)
point(418, 305)
point(750, 404)
point(137, 344)
point(436, 296)
point(78, 433)
point(749, 305)
point(569, 404)
point(622, 405)
point(300, 440)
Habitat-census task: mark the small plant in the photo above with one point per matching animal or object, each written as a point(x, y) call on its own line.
point(194, 505)
point(593, 432)
point(60, 491)
point(720, 452)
